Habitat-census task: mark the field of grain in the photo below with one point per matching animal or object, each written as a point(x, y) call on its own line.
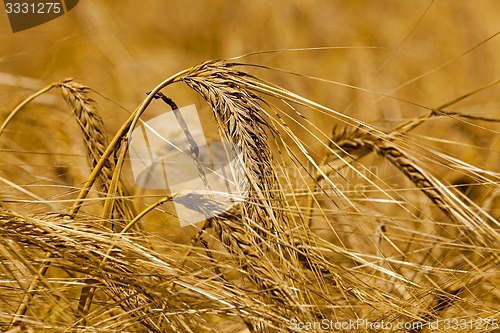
point(364, 168)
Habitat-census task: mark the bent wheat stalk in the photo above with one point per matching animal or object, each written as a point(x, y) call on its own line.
point(433, 188)
point(252, 239)
point(262, 233)
point(92, 128)
point(93, 131)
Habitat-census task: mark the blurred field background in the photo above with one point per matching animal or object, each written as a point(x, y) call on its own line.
point(118, 46)
point(385, 62)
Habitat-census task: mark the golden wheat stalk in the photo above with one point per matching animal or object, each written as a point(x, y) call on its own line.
point(50, 233)
point(263, 222)
point(83, 246)
point(93, 131)
point(252, 239)
point(441, 195)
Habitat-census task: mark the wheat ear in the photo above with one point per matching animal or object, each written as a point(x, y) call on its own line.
point(441, 195)
point(93, 131)
point(255, 231)
point(261, 229)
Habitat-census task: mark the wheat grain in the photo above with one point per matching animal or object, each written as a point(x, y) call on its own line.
point(256, 231)
point(126, 278)
point(251, 240)
point(93, 131)
point(91, 125)
point(434, 189)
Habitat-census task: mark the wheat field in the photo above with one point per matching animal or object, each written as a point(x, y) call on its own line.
point(365, 168)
